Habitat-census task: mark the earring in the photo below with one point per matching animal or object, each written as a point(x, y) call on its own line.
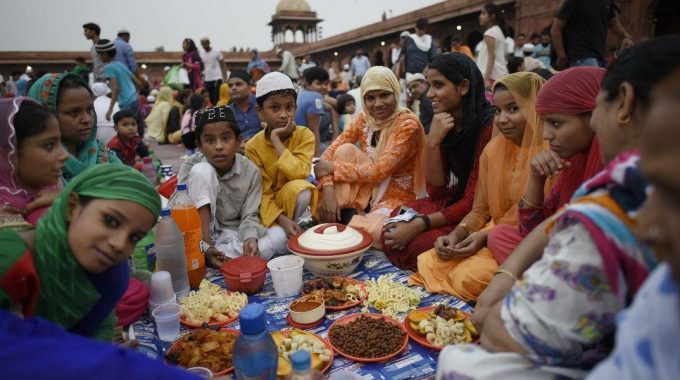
point(263, 124)
point(625, 120)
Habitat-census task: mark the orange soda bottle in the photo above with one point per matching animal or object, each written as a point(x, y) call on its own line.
point(189, 222)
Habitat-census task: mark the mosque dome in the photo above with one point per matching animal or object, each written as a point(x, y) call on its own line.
point(293, 5)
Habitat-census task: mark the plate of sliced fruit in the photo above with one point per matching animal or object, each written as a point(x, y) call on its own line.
point(437, 326)
point(289, 341)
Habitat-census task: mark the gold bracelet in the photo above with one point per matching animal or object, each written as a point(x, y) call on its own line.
point(507, 273)
point(524, 200)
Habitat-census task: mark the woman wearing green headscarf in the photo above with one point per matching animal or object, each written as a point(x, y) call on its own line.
point(72, 268)
point(70, 99)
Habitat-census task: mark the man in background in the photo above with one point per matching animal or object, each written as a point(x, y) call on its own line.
point(91, 32)
point(214, 69)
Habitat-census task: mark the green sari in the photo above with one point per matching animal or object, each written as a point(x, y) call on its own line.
point(91, 151)
point(47, 281)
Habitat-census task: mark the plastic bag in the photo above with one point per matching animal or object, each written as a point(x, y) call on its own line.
point(172, 78)
point(184, 76)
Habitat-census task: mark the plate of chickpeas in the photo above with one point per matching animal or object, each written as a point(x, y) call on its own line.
point(368, 337)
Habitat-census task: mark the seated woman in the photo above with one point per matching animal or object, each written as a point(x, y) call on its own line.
point(385, 171)
point(460, 130)
point(32, 161)
point(70, 99)
point(157, 120)
point(560, 317)
point(564, 105)
point(460, 264)
point(283, 153)
point(72, 269)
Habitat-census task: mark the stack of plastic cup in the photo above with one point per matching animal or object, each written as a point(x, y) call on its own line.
point(286, 272)
point(167, 321)
point(161, 291)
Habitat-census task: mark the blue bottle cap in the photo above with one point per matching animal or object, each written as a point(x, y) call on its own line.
point(181, 186)
point(165, 211)
point(252, 319)
point(301, 360)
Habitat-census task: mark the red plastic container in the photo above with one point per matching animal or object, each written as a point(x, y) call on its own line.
point(245, 274)
point(168, 187)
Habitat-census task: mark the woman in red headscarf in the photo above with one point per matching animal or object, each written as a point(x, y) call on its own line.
point(564, 105)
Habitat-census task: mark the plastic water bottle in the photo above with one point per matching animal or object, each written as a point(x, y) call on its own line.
point(255, 353)
point(302, 367)
point(149, 171)
point(170, 257)
point(189, 222)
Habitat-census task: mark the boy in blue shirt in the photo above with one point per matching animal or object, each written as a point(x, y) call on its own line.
point(310, 105)
point(122, 83)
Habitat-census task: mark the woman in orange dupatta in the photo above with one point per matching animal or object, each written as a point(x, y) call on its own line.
point(385, 171)
point(460, 264)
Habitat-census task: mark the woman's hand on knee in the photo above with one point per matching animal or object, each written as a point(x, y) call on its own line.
point(399, 235)
point(323, 168)
point(328, 209)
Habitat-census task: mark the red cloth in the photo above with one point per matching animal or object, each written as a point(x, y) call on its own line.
point(440, 199)
point(22, 284)
point(502, 240)
point(133, 303)
point(570, 92)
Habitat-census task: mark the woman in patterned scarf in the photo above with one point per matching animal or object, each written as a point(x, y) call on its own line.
point(70, 99)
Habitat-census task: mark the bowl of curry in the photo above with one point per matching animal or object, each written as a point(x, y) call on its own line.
point(307, 309)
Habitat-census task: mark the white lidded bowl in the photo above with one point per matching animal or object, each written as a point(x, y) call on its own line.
point(331, 249)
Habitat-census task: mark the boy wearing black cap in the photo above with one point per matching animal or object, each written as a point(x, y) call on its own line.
point(227, 188)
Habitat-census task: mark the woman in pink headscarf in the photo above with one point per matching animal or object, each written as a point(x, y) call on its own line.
point(31, 158)
point(564, 105)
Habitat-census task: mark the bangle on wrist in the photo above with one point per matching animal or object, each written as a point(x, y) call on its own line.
point(523, 202)
point(426, 221)
point(465, 228)
point(506, 272)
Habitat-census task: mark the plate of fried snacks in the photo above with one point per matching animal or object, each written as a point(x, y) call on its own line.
point(289, 341)
point(437, 326)
point(391, 297)
point(339, 293)
point(367, 337)
point(212, 305)
point(212, 349)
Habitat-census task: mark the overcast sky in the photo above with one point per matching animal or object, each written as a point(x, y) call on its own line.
point(56, 25)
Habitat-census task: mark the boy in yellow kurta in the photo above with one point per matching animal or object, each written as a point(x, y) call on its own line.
point(283, 152)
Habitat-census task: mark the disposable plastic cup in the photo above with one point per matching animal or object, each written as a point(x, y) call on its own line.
point(286, 272)
point(203, 372)
point(154, 305)
point(167, 321)
point(161, 287)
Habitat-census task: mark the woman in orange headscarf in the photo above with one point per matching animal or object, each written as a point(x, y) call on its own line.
point(564, 105)
point(460, 264)
point(386, 171)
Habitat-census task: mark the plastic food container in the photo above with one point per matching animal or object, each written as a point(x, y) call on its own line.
point(331, 249)
point(307, 310)
point(245, 274)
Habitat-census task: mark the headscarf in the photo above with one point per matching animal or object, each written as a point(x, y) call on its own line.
point(515, 160)
point(257, 63)
point(383, 79)
point(460, 146)
point(90, 152)
point(573, 92)
point(67, 292)
point(11, 192)
point(191, 54)
point(225, 96)
point(157, 120)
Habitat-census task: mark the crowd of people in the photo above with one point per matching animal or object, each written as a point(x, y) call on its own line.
point(548, 198)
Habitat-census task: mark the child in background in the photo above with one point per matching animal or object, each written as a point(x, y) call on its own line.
point(127, 144)
point(226, 188)
point(310, 104)
point(196, 102)
point(283, 152)
point(346, 107)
